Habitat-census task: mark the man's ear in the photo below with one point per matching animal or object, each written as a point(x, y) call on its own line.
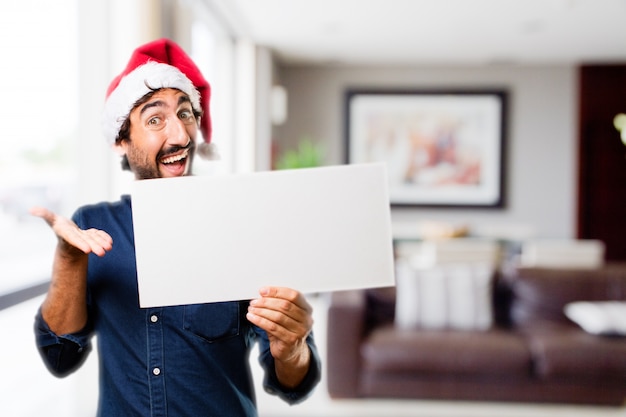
point(119, 147)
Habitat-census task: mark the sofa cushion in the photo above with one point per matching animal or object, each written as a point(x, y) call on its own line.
point(453, 296)
point(600, 317)
point(540, 295)
point(490, 352)
point(573, 353)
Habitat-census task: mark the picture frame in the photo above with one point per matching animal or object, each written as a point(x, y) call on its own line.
point(443, 148)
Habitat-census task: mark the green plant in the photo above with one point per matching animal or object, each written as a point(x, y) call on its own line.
point(307, 155)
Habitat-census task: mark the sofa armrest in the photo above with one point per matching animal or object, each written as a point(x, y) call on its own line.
point(345, 330)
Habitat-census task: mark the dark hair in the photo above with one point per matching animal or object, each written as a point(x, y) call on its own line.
point(124, 133)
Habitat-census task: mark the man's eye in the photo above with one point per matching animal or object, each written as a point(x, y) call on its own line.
point(154, 121)
point(185, 115)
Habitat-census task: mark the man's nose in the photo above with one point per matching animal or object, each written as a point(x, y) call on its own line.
point(177, 132)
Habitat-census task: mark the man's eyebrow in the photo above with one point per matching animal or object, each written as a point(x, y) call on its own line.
point(184, 99)
point(157, 103)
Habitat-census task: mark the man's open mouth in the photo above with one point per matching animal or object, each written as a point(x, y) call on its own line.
point(176, 164)
point(175, 158)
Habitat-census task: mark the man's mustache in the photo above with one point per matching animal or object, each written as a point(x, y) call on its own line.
point(174, 149)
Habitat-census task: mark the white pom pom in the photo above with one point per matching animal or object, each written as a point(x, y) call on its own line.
point(208, 151)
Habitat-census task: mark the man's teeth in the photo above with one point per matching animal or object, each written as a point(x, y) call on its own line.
point(176, 158)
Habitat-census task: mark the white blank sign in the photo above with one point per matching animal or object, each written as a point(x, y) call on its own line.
point(219, 238)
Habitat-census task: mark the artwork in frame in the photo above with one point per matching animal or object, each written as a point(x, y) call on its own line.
point(442, 148)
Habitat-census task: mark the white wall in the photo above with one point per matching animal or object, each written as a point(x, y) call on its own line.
point(541, 145)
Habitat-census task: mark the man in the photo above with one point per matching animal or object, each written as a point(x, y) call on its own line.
point(172, 361)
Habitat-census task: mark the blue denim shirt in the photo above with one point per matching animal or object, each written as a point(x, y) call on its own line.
point(171, 361)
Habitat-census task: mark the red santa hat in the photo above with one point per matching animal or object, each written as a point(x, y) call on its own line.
point(158, 64)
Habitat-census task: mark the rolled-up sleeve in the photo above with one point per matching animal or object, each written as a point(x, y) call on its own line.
point(62, 354)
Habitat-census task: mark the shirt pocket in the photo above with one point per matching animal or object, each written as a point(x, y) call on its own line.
point(213, 322)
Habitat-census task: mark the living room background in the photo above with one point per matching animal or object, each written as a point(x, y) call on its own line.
point(540, 142)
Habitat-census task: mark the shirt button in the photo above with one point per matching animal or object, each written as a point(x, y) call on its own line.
point(154, 318)
point(156, 371)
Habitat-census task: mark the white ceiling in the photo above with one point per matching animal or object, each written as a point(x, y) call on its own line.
point(410, 32)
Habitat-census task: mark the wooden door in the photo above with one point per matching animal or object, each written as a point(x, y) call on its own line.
point(602, 158)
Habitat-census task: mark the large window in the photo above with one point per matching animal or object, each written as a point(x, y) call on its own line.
point(40, 161)
point(39, 119)
point(52, 155)
point(38, 115)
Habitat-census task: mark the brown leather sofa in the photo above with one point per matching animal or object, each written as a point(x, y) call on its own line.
point(532, 353)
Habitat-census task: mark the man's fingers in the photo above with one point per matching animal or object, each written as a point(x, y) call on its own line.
point(281, 310)
point(44, 213)
point(102, 242)
point(286, 294)
point(102, 238)
point(91, 240)
point(87, 241)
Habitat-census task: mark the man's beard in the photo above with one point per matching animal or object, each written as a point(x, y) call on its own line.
point(144, 168)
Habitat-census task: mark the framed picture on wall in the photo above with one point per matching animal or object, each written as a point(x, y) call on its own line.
point(442, 148)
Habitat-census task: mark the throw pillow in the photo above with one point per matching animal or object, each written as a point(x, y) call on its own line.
point(599, 317)
point(455, 296)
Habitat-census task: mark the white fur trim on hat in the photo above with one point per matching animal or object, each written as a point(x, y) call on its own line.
point(137, 84)
point(208, 151)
